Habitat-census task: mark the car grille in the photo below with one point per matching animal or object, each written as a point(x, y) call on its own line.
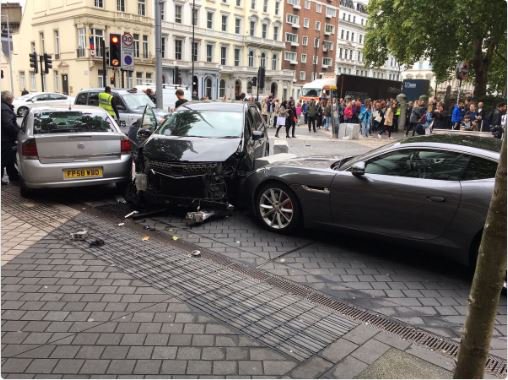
point(182, 169)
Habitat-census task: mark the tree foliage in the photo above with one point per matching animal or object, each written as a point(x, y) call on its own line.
point(443, 31)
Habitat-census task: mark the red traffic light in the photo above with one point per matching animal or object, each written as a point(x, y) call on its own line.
point(115, 39)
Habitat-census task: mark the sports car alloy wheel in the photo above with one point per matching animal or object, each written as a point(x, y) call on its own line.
point(276, 208)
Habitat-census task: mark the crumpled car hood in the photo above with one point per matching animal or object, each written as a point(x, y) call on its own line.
point(192, 149)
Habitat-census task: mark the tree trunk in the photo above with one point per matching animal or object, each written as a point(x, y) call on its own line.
point(480, 81)
point(487, 283)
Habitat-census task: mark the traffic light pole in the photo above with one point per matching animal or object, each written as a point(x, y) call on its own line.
point(41, 58)
point(257, 87)
point(103, 50)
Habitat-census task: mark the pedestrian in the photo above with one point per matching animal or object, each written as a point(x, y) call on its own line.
point(458, 114)
point(24, 92)
point(429, 120)
point(416, 114)
point(366, 118)
point(439, 117)
point(311, 115)
point(181, 98)
point(481, 117)
point(348, 112)
point(298, 111)
point(282, 115)
point(291, 120)
point(305, 109)
point(106, 102)
point(9, 138)
point(335, 117)
point(498, 121)
point(382, 113)
point(341, 107)
point(151, 95)
point(473, 116)
point(328, 114)
point(319, 114)
point(264, 110)
point(276, 107)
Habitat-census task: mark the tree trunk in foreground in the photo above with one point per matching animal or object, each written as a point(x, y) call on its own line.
point(487, 283)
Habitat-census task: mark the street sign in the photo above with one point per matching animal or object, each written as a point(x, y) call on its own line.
point(462, 70)
point(127, 52)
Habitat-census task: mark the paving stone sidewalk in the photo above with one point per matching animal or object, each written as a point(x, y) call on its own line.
point(66, 313)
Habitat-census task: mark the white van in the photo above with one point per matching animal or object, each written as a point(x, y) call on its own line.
point(168, 94)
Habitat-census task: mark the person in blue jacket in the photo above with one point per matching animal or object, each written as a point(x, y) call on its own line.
point(458, 114)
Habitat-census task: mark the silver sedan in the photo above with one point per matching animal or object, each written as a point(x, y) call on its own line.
point(433, 190)
point(62, 147)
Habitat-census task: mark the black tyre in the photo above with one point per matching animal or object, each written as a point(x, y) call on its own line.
point(22, 111)
point(277, 208)
point(24, 191)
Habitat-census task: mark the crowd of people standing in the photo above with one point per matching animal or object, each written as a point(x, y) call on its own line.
point(381, 117)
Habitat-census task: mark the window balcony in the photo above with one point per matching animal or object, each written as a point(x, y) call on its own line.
point(295, 43)
point(295, 26)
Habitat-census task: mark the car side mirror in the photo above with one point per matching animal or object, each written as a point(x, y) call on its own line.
point(257, 135)
point(120, 107)
point(358, 168)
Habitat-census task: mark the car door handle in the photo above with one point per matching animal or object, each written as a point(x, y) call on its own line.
point(435, 198)
point(312, 189)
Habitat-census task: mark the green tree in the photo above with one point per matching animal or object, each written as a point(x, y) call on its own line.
point(444, 31)
point(487, 283)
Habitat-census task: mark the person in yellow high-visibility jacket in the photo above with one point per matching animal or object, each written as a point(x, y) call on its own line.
point(106, 101)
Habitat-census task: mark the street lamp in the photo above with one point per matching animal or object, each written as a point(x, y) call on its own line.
point(192, 48)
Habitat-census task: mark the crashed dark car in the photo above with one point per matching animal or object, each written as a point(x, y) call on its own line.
point(199, 156)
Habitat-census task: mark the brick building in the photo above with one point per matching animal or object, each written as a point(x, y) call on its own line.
point(310, 34)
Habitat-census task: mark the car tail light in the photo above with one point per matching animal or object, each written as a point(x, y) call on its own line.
point(125, 146)
point(29, 149)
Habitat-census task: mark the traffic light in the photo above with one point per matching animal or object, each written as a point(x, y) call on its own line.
point(254, 81)
point(261, 76)
point(33, 62)
point(115, 50)
point(48, 63)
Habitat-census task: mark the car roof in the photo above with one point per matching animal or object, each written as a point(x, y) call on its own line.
point(488, 143)
point(120, 91)
point(214, 106)
point(72, 108)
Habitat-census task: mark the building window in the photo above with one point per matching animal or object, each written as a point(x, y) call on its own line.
point(163, 10)
point(57, 44)
point(145, 47)
point(209, 52)
point(208, 88)
point(292, 19)
point(327, 61)
point(195, 51)
point(302, 75)
point(318, 8)
point(224, 25)
point(41, 41)
point(328, 45)
point(354, 19)
point(99, 3)
point(340, 53)
point(252, 4)
point(237, 57)
point(330, 12)
point(135, 37)
point(289, 56)
point(209, 20)
point(306, 22)
point(100, 78)
point(238, 3)
point(351, 55)
point(264, 30)
point(347, 35)
point(97, 35)
point(21, 80)
point(120, 5)
point(275, 33)
point(349, 18)
point(237, 25)
point(222, 88)
point(178, 13)
point(129, 79)
point(274, 62)
point(251, 58)
point(316, 42)
point(223, 55)
point(262, 61)
point(305, 40)
point(139, 79)
point(315, 59)
point(195, 17)
point(81, 43)
point(277, 8)
point(148, 78)
point(329, 28)
point(352, 36)
point(141, 7)
point(360, 38)
point(290, 37)
point(163, 47)
point(342, 34)
point(306, 4)
point(318, 25)
point(265, 6)
point(33, 83)
point(178, 49)
point(252, 28)
point(303, 58)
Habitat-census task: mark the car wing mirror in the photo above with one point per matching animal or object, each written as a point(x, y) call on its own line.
point(257, 135)
point(358, 168)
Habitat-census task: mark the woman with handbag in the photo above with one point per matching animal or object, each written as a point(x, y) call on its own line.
point(281, 117)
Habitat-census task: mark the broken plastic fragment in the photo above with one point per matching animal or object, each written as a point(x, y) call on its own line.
point(91, 319)
point(79, 235)
point(149, 228)
point(121, 224)
point(132, 213)
point(146, 237)
point(175, 238)
point(282, 260)
point(120, 199)
point(196, 253)
point(238, 242)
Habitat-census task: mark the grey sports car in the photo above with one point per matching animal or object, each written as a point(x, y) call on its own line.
point(430, 189)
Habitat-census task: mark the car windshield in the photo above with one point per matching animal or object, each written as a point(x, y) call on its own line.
point(70, 121)
point(361, 157)
point(137, 101)
point(311, 92)
point(207, 123)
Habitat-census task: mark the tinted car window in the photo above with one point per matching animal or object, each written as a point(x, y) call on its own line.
point(70, 121)
point(480, 168)
point(93, 99)
point(256, 117)
point(191, 123)
point(429, 164)
point(81, 99)
point(57, 97)
point(40, 98)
